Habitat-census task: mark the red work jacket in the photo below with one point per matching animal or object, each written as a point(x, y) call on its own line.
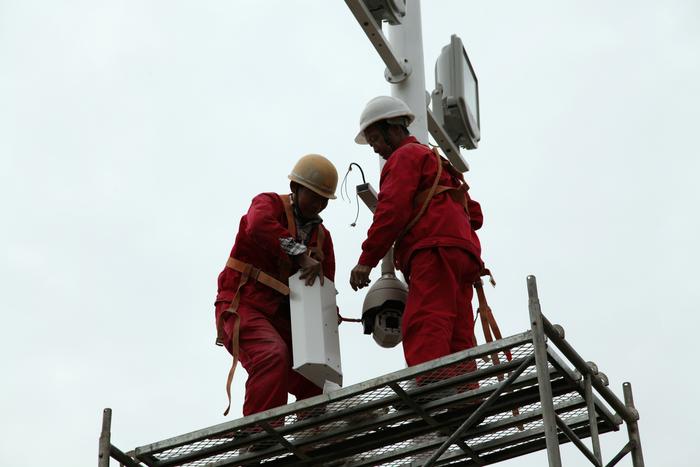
point(409, 170)
point(258, 243)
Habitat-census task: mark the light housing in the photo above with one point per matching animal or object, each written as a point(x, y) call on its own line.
point(456, 95)
point(391, 11)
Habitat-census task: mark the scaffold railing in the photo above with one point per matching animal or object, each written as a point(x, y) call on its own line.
point(517, 395)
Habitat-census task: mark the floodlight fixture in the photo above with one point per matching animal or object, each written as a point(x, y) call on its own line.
point(456, 95)
point(391, 11)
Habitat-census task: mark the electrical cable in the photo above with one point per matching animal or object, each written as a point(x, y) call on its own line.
point(344, 190)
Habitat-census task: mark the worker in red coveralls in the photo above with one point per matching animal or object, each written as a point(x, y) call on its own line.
point(439, 252)
point(280, 235)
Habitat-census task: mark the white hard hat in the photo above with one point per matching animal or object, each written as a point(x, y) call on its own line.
point(382, 108)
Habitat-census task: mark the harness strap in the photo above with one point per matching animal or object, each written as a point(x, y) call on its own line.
point(316, 252)
point(291, 223)
point(248, 271)
point(285, 265)
point(423, 198)
point(257, 275)
point(235, 346)
point(428, 197)
point(457, 193)
point(235, 349)
point(488, 324)
point(233, 306)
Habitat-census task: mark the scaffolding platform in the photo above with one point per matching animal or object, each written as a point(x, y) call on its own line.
point(496, 401)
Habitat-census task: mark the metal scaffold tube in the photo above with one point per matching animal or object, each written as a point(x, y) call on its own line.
point(590, 406)
point(105, 439)
point(632, 428)
point(541, 361)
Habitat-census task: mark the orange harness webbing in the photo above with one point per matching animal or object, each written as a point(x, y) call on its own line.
point(426, 201)
point(456, 193)
point(289, 212)
point(423, 198)
point(489, 325)
point(488, 322)
point(248, 271)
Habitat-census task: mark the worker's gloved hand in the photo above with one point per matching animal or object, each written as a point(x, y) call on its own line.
point(359, 276)
point(310, 269)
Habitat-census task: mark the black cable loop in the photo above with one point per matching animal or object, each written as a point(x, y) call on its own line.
point(344, 190)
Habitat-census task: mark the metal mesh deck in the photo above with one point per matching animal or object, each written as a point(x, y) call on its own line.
point(400, 419)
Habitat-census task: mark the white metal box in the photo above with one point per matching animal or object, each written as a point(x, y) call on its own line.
point(315, 331)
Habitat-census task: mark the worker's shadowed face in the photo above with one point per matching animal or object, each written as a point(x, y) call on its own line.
point(384, 138)
point(376, 138)
point(310, 203)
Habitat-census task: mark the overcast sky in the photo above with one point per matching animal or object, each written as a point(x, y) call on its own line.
point(133, 135)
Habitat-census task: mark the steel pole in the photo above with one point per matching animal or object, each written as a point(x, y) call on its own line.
point(542, 364)
point(105, 439)
point(407, 40)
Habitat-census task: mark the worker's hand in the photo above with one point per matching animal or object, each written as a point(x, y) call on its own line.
point(359, 276)
point(310, 269)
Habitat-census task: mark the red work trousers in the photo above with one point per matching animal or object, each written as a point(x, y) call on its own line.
point(266, 354)
point(438, 319)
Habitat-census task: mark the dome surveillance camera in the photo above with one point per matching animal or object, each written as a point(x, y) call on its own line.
point(383, 308)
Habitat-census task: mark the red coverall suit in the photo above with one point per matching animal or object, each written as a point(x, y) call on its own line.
point(265, 329)
point(440, 255)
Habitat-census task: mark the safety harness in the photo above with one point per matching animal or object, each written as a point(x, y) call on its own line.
point(459, 195)
point(252, 273)
point(423, 198)
point(488, 325)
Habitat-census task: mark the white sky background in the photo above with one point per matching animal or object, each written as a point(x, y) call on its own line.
point(134, 134)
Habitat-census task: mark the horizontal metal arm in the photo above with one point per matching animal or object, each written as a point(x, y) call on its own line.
point(446, 144)
point(397, 67)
